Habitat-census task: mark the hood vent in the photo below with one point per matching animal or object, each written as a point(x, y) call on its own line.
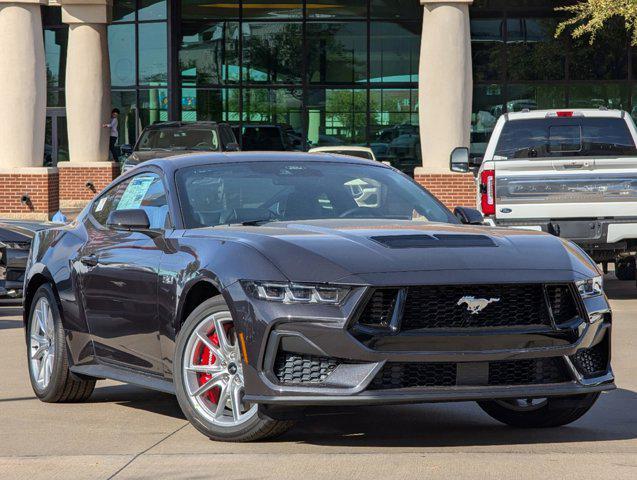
point(435, 241)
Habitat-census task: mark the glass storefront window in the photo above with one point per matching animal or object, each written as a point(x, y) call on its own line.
point(488, 105)
point(337, 117)
point(487, 47)
point(55, 45)
point(208, 10)
point(403, 9)
point(395, 52)
point(209, 53)
point(266, 9)
point(153, 106)
point(126, 101)
point(217, 105)
point(272, 52)
point(532, 51)
point(121, 47)
point(608, 95)
point(319, 9)
point(124, 11)
point(153, 54)
point(152, 10)
point(337, 52)
point(535, 97)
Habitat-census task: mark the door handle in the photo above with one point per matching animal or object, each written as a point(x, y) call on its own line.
point(89, 260)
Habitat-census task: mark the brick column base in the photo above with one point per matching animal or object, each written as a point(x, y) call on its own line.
point(80, 182)
point(452, 189)
point(28, 193)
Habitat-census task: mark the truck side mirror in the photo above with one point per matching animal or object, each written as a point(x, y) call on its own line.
point(460, 160)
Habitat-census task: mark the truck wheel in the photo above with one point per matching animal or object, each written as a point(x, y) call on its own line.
point(625, 269)
point(540, 412)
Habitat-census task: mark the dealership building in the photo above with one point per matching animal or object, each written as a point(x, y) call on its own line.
point(412, 79)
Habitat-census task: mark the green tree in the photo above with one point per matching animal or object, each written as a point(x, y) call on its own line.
point(589, 17)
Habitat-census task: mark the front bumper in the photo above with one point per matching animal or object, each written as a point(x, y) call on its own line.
point(594, 235)
point(353, 365)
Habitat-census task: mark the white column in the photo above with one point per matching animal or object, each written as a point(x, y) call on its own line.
point(22, 84)
point(445, 82)
point(88, 79)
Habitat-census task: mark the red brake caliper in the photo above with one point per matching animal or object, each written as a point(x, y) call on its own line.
point(204, 356)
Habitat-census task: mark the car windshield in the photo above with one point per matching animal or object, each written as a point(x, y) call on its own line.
point(261, 192)
point(565, 137)
point(179, 138)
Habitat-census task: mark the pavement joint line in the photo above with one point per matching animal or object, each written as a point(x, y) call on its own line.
point(120, 470)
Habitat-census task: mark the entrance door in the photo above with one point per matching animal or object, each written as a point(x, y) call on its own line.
point(56, 143)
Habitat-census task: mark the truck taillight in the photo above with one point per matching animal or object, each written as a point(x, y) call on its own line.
point(487, 192)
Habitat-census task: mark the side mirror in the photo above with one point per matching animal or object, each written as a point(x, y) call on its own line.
point(460, 160)
point(131, 220)
point(469, 216)
point(126, 150)
point(232, 147)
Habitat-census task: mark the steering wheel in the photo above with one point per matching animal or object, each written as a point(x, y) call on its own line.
point(203, 144)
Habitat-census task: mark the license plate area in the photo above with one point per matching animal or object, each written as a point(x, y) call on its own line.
point(580, 230)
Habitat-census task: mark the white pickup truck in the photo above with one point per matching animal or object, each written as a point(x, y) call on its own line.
point(572, 173)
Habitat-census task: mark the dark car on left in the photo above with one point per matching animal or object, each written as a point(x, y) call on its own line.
point(15, 242)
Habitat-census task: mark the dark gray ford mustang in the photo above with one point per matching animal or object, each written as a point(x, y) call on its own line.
point(251, 285)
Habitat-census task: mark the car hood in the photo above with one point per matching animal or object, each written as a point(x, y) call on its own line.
point(386, 252)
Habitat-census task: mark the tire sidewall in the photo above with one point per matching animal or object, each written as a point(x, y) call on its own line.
point(238, 432)
point(57, 376)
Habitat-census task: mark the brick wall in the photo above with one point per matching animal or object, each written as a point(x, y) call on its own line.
point(452, 189)
point(40, 184)
point(73, 180)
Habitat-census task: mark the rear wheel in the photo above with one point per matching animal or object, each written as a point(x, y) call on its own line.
point(51, 379)
point(539, 413)
point(209, 379)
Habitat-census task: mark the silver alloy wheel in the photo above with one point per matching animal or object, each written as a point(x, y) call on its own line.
point(213, 373)
point(42, 343)
point(523, 404)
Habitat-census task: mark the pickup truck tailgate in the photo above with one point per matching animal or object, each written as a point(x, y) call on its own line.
point(566, 188)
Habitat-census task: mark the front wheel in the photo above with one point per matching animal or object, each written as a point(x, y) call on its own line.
point(539, 412)
point(209, 379)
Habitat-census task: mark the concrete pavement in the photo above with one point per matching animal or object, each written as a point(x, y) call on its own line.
point(125, 432)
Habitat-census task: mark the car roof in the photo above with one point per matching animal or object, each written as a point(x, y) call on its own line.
point(177, 162)
point(341, 148)
point(577, 112)
point(160, 125)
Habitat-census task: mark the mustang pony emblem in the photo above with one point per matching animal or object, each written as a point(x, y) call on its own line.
point(476, 305)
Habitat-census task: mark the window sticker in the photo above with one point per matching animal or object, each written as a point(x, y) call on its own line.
point(100, 205)
point(135, 193)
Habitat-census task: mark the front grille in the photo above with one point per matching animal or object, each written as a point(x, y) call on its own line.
point(592, 362)
point(528, 372)
point(407, 375)
point(445, 306)
point(294, 368)
point(562, 303)
point(517, 372)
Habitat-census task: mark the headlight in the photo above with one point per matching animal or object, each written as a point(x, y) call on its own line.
point(591, 287)
point(296, 293)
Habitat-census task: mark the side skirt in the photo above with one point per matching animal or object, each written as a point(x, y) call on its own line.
point(126, 376)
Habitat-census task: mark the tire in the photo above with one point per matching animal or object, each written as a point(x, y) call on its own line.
point(553, 412)
point(47, 354)
point(237, 422)
point(625, 269)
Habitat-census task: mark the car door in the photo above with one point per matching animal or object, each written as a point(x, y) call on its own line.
point(119, 278)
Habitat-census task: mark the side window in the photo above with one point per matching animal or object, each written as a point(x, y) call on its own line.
point(146, 191)
point(107, 202)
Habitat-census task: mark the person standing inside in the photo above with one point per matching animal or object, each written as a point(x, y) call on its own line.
point(113, 126)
